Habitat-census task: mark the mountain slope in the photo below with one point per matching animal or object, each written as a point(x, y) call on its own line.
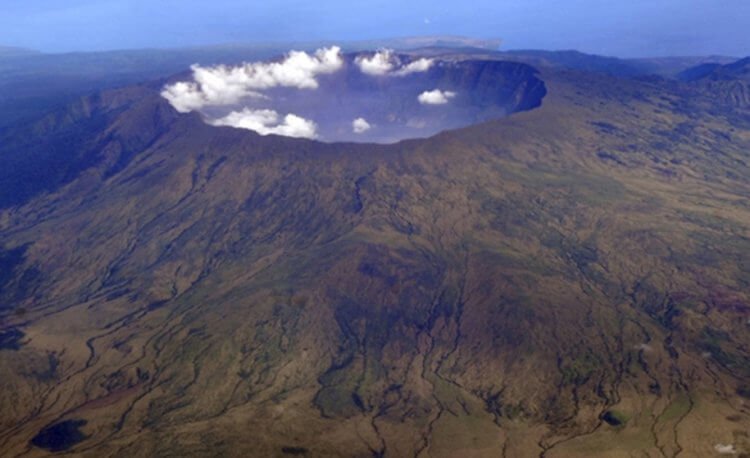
point(730, 82)
point(562, 282)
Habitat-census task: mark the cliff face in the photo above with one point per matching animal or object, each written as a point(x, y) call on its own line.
point(566, 280)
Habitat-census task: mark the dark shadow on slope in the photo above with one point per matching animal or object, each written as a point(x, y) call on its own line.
point(60, 436)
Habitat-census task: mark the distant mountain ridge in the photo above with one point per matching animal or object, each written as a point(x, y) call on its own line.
point(737, 69)
point(14, 51)
point(625, 67)
point(730, 82)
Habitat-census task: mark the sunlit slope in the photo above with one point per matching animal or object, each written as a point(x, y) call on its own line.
point(569, 281)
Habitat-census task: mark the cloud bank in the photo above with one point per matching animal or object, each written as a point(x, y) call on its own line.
point(222, 85)
point(360, 125)
point(266, 122)
point(435, 97)
point(386, 63)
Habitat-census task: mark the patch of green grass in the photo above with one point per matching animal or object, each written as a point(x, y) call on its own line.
point(678, 408)
point(579, 369)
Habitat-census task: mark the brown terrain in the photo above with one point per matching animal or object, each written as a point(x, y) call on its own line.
point(573, 280)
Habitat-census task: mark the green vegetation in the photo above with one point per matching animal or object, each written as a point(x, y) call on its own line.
point(579, 370)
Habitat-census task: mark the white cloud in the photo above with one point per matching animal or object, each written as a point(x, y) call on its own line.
point(267, 122)
point(725, 449)
point(360, 125)
point(385, 62)
point(435, 97)
point(379, 64)
point(222, 85)
point(419, 65)
point(183, 96)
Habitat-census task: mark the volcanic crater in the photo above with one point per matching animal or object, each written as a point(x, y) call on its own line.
point(374, 97)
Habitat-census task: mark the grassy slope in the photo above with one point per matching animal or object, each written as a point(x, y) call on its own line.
point(493, 289)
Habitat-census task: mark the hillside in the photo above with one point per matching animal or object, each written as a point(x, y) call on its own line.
point(566, 281)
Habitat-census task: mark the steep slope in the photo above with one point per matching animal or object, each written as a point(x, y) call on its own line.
point(104, 130)
point(567, 281)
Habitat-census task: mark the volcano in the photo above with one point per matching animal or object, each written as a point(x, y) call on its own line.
point(564, 274)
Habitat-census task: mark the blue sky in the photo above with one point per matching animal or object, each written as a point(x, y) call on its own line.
point(624, 28)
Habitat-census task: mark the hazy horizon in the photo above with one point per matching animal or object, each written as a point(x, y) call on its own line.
point(636, 29)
